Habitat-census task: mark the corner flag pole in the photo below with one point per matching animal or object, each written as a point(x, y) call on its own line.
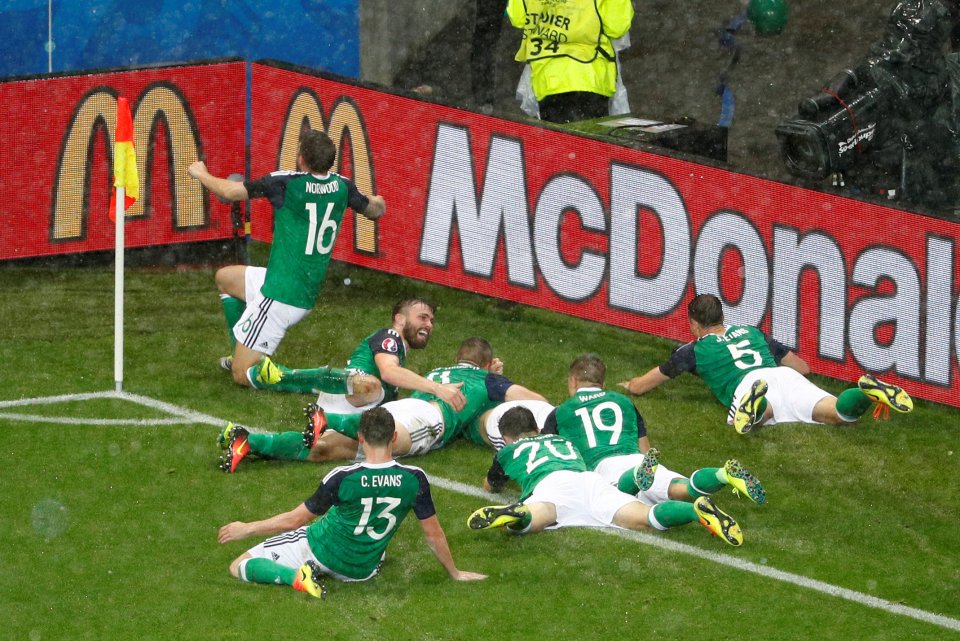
point(118, 292)
point(127, 190)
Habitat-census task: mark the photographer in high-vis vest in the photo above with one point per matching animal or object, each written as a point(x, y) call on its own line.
point(568, 44)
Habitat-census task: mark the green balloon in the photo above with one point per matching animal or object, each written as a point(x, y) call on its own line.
point(768, 16)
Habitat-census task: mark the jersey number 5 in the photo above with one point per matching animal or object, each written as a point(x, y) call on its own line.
point(386, 513)
point(740, 355)
point(315, 234)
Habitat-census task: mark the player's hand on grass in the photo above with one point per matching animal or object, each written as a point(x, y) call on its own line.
point(232, 532)
point(463, 575)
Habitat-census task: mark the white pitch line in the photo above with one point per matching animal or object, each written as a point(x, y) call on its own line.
point(746, 566)
point(71, 420)
point(190, 416)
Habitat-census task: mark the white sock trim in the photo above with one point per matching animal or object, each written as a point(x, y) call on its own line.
point(654, 523)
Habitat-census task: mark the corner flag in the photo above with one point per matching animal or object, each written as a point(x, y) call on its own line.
point(124, 160)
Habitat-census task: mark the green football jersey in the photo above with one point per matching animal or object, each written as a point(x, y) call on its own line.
point(481, 388)
point(599, 423)
point(722, 360)
point(307, 215)
point(362, 505)
point(530, 459)
point(363, 358)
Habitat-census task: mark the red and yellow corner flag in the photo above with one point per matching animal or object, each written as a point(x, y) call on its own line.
point(124, 160)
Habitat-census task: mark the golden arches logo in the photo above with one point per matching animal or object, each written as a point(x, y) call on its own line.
point(99, 108)
point(345, 119)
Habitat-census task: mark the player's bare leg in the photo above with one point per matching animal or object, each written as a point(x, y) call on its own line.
point(333, 446)
point(243, 359)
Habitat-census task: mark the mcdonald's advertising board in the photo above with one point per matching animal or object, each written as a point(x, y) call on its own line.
point(623, 236)
point(56, 170)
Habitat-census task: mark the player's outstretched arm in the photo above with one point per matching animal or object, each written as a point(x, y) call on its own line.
point(376, 208)
point(221, 187)
point(642, 384)
point(520, 393)
point(392, 373)
point(437, 541)
point(297, 517)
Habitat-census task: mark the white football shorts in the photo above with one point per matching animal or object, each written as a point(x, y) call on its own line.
point(264, 321)
point(613, 467)
point(292, 550)
point(791, 395)
point(540, 410)
point(582, 499)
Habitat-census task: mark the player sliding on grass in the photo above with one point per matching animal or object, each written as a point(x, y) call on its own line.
point(558, 491)
point(424, 422)
point(375, 371)
point(360, 508)
point(759, 378)
point(260, 304)
point(610, 434)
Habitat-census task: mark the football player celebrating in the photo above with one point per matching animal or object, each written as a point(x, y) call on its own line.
point(359, 507)
point(557, 490)
point(261, 304)
point(375, 371)
point(759, 379)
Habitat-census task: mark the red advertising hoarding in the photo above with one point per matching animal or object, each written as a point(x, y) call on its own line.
point(56, 169)
point(623, 236)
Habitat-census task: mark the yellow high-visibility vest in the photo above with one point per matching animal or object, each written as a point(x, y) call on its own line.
point(568, 43)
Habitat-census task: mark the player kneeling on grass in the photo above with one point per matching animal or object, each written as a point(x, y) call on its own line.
point(558, 491)
point(360, 507)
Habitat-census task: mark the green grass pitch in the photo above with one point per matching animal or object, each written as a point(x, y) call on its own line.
point(110, 507)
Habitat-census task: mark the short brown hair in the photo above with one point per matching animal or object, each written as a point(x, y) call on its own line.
point(589, 368)
point(405, 304)
point(706, 310)
point(475, 350)
point(517, 421)
point(317, 150)
point(377, 426)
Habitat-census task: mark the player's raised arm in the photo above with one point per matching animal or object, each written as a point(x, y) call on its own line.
point(437, 541)
point(221, 187)
point(376, 208)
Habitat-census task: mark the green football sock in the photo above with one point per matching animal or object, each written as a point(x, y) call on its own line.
point(673, 513)
point(707, 481)
point(346, 424)
point(523, 525)
point(627, 483)
point(853, 403)
point(232, 311)
point(267, 571)
point(285, 446)
point(306, 381)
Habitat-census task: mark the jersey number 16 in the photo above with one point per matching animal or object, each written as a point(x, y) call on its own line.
point(315, 234)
